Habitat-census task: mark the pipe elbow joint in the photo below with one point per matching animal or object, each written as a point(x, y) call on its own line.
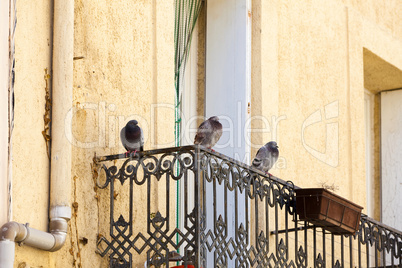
point(59, 240)
point(13, 231)
point(58, 227)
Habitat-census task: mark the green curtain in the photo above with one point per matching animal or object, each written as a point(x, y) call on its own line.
point(186, 14)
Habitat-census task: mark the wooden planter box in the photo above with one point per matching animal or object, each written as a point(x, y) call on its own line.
point(330, 211)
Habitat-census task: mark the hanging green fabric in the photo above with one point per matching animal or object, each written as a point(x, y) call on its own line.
point(186, 14)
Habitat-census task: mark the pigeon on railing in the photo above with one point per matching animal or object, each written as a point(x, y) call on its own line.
point(132, 137)
point(209, 132)
point(266, 157)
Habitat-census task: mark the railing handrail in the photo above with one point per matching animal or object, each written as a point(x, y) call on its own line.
point(234, 161)
point(201, 148)
point(207, 221)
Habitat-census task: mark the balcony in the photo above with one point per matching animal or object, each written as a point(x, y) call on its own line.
point(229, 215)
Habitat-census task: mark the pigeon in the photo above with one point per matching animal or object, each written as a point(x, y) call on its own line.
point(266, 157)
point(209, 132)
point(132, 137)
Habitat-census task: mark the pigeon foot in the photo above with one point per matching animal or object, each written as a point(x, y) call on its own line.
point(127, 154)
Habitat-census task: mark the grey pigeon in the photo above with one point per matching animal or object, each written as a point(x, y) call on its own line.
point(209, 132)
point(132, 137)
point(266, 157)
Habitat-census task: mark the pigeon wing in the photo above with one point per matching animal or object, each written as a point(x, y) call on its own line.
point(142, 141)
point(217, 131)
point(271, 158)
point(259, 157)
point(203, 130)
point(123, 138)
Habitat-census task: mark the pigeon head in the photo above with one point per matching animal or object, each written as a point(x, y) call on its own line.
point(133, 131)
point(272, 144)
point(272, 147)
point(214, 118)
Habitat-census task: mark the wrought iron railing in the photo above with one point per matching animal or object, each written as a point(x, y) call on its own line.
point(229, 215)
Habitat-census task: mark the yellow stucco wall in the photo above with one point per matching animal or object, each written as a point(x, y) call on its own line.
point(307, 62)
point(124, 65)
point(305, 56)
point(127, 67)
point(30, 163)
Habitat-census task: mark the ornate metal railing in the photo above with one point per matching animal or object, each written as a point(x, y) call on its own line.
point(229, 215)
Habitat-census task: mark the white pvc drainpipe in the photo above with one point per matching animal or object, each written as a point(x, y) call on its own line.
point(60, 170)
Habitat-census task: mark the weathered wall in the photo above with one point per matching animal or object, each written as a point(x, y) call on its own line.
point(310, 66)
point(385, 16)
point(123, 69)
point(4, 84)
point(307, 59)
point(308, 74)
point(125, 73)
point(30, 163)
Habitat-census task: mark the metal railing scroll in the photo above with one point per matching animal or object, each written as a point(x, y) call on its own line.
point(231, 216)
